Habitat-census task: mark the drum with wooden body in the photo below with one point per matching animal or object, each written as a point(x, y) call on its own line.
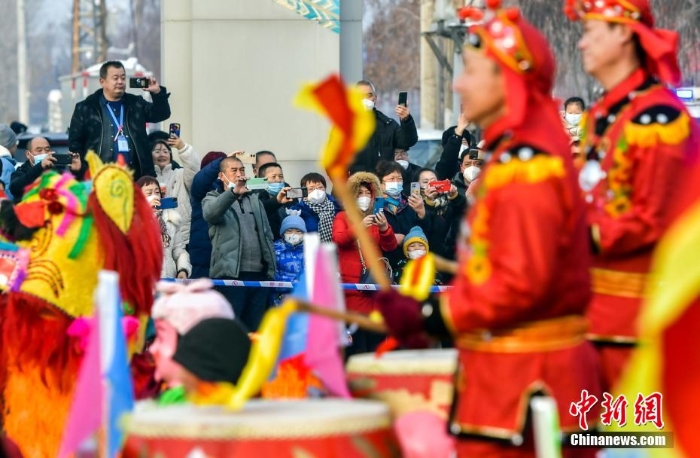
point(407, 380)
point(323, 428)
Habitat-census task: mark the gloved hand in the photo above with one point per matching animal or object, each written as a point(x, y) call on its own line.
point(402, 315)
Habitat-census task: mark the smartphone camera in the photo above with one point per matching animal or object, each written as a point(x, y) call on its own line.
point(138, 83)
point(63, 162)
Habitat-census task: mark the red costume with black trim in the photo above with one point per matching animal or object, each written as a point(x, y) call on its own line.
point(640, 143)
point(522, 286)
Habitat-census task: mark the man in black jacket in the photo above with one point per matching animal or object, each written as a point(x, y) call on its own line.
point(113, 123)
point(388, 134)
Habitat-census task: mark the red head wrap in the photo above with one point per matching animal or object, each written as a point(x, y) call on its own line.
point(523, 54)
point(660, 46)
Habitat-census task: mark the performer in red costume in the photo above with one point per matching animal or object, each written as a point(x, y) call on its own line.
point(639, 142)
point(522, 286)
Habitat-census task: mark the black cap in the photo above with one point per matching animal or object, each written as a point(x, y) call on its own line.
point(214, 350)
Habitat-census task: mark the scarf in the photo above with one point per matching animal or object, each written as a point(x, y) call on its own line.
point(394, 205)
point(163, 229)
point(326, 213)
point(439, 203)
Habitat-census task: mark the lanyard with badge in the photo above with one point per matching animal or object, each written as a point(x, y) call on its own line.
point(120, 138)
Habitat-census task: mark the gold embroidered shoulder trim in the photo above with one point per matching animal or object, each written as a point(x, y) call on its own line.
point(655, 133)
point(539, 168)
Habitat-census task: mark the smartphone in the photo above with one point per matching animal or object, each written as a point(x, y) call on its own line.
point(415, 188)
point(473, 154)
point(246, 158)
point(175, 129)
point(256, 183)
point(63, 161)
point(167, 203)
point(297, 193)
point(403, 98)
point(138, 83)
point(441, 187)
point(378, 205)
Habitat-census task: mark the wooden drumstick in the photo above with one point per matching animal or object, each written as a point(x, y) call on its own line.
point(360, 320)
point(445, 265)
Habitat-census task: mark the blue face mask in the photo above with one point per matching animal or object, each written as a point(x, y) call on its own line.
point(274, 188)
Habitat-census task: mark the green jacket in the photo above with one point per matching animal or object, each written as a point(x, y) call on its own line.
point(224, 232)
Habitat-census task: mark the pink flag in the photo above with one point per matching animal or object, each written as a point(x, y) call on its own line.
point(85, 415)
point(322, 348)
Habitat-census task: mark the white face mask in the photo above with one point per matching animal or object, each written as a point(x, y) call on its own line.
point(462, 149)
point(363, 202)
point(151, 198)
point(394, 188)
point(403, 163)
point(293, 239)
point(416, 254)
point(369, 104)
point(230, 184)
point(39, 157)
point(471, 172)
point(317, 196)
point(573, 119)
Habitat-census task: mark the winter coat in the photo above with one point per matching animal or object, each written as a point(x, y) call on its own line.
point(289, 265)
point(199, 247)
point(310, 218)
point(276, 212)
point(388, 135)
point(446, 222)
point(175, 257)
point(7, 168)
point(224, 232)
point(344, 237)
point(178, 182)
point(89, 131)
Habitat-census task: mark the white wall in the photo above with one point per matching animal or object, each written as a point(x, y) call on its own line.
point(233, 68)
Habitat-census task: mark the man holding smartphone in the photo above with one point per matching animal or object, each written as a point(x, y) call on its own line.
point(113, 123)
point(388, 134)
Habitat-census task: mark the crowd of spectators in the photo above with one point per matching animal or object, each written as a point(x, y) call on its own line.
point(214, 226)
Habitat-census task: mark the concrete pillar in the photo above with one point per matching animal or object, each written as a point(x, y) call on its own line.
point(233, 69)
point(428, 69)
point(351, 40)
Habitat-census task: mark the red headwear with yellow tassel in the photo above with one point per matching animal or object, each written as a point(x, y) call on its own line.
point(659, 45)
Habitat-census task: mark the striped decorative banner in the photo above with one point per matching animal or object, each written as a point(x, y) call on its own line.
point(290, 285)
point(325, 12)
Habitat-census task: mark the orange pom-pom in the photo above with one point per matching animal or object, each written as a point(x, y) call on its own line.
point(513, 14)
point(470, 12)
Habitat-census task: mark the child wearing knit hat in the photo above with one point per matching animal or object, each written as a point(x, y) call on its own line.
point(289, 252)
point(415, 246)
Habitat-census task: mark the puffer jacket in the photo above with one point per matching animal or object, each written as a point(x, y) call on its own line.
point(345, 238)
point(89, 131)
point(225, 234)
point(290, 265)
point(175, 257)
point(178, 183)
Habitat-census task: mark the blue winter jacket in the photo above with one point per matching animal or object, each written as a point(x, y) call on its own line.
point(199, 247)
point(289, 266)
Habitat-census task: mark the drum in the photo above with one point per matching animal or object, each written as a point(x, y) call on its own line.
point(407, 380)
point(319, 428)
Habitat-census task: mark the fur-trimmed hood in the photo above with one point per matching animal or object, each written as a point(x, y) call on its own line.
point(357, 179)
